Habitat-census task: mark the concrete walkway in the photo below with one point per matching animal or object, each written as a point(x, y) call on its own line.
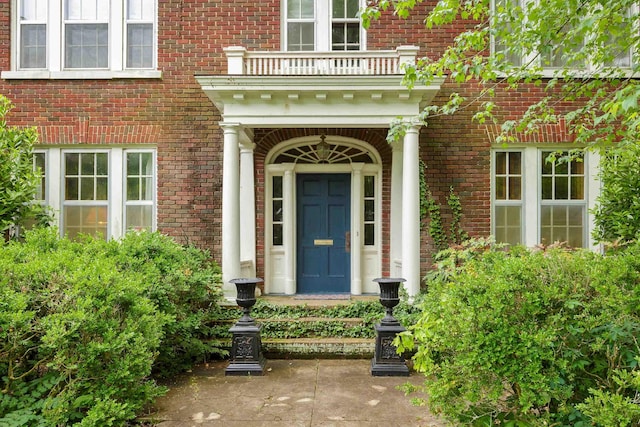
point(293, 393)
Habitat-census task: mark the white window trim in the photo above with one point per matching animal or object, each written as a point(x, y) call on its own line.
point(55, 43)
point(322, 37)
point(531, 198)
point(54, 158)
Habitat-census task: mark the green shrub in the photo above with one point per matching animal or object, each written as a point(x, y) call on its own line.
point(184, 283)
point(82, 324)
point(617, 214)
point(532, 338)
point(18, 180)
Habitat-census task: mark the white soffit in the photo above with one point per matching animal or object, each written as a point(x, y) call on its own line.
point(303, 101)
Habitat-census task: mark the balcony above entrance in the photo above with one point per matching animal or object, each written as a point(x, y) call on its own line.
point(346, 88)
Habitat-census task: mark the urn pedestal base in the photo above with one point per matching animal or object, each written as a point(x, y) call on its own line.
point(246, 351)
point(386, 361)
point(246, 344)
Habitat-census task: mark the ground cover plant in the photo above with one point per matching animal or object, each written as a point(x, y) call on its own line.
point(297, 321)
point(531, 337)
point(84, 323)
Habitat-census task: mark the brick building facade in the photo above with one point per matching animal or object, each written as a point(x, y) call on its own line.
point(139, 139)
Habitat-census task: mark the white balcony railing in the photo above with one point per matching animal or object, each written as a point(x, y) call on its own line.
point(386, 62)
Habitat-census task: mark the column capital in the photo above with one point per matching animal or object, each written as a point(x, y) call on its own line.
point(397, 145)
point(229, 127)
point(412, 125)
point(357, 167)
point(247, 147)
point(405, 126)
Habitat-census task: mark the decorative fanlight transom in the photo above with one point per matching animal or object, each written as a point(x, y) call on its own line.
point(323, 152)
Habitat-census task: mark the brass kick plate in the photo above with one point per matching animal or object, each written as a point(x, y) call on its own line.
point(323, 242)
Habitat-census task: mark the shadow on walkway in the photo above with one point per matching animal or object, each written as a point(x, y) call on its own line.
point(293, 393)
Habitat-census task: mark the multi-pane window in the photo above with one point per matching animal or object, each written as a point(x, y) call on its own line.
point(33, 33)
point(140, 18)
point(322, 25)
point(276, 210)
point(301, 25)
point(345, 25)
point(500, 6)
point(102, 192)
point(508, 197)
point(140, 188)
point(564, 52)
point(86, 33)
point(70, 36)
point(562, 199)
point(556, 56)
point(369, 210)
point(541, 197)
point(86, 194)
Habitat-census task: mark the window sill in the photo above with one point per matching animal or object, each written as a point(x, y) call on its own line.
point(80, 75)
point(550, 73)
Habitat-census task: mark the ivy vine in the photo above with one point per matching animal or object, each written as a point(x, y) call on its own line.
point(431, 209)
point(457, 234)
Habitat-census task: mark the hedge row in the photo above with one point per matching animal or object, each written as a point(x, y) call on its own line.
point(532, 338)
point(84, 323)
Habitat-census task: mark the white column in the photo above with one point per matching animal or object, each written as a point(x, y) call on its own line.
point(247, 207)
point(395, 254)
point(230, 208)
point(287, 231)
point(594, 187)
point(356, 232)
point(116, 199)
point(54, 184)
point(411, 211)
point(530, 212)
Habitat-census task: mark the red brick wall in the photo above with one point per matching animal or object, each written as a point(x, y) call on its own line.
point(174, 114)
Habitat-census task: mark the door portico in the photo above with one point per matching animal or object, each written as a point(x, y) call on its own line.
point(368, 97)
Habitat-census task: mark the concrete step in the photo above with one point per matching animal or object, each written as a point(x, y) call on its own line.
point(292, 328)
point(316, 348)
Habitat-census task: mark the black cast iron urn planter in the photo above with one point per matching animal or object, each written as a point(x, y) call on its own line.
point(386, 361)
point(246, 344)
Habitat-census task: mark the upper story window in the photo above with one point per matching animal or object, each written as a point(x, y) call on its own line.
point(83, 39)
point(566, 53)
point(322, 25)
point(86, 34)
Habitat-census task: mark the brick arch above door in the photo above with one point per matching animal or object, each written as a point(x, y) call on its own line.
point(340, 150)
point(267, 138)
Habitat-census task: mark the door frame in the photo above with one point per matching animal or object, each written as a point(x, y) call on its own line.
point(280, 262)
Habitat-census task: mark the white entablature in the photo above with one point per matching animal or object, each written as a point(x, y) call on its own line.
point(338, 89)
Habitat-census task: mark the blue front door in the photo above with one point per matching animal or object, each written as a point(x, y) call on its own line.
point(323, 218)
